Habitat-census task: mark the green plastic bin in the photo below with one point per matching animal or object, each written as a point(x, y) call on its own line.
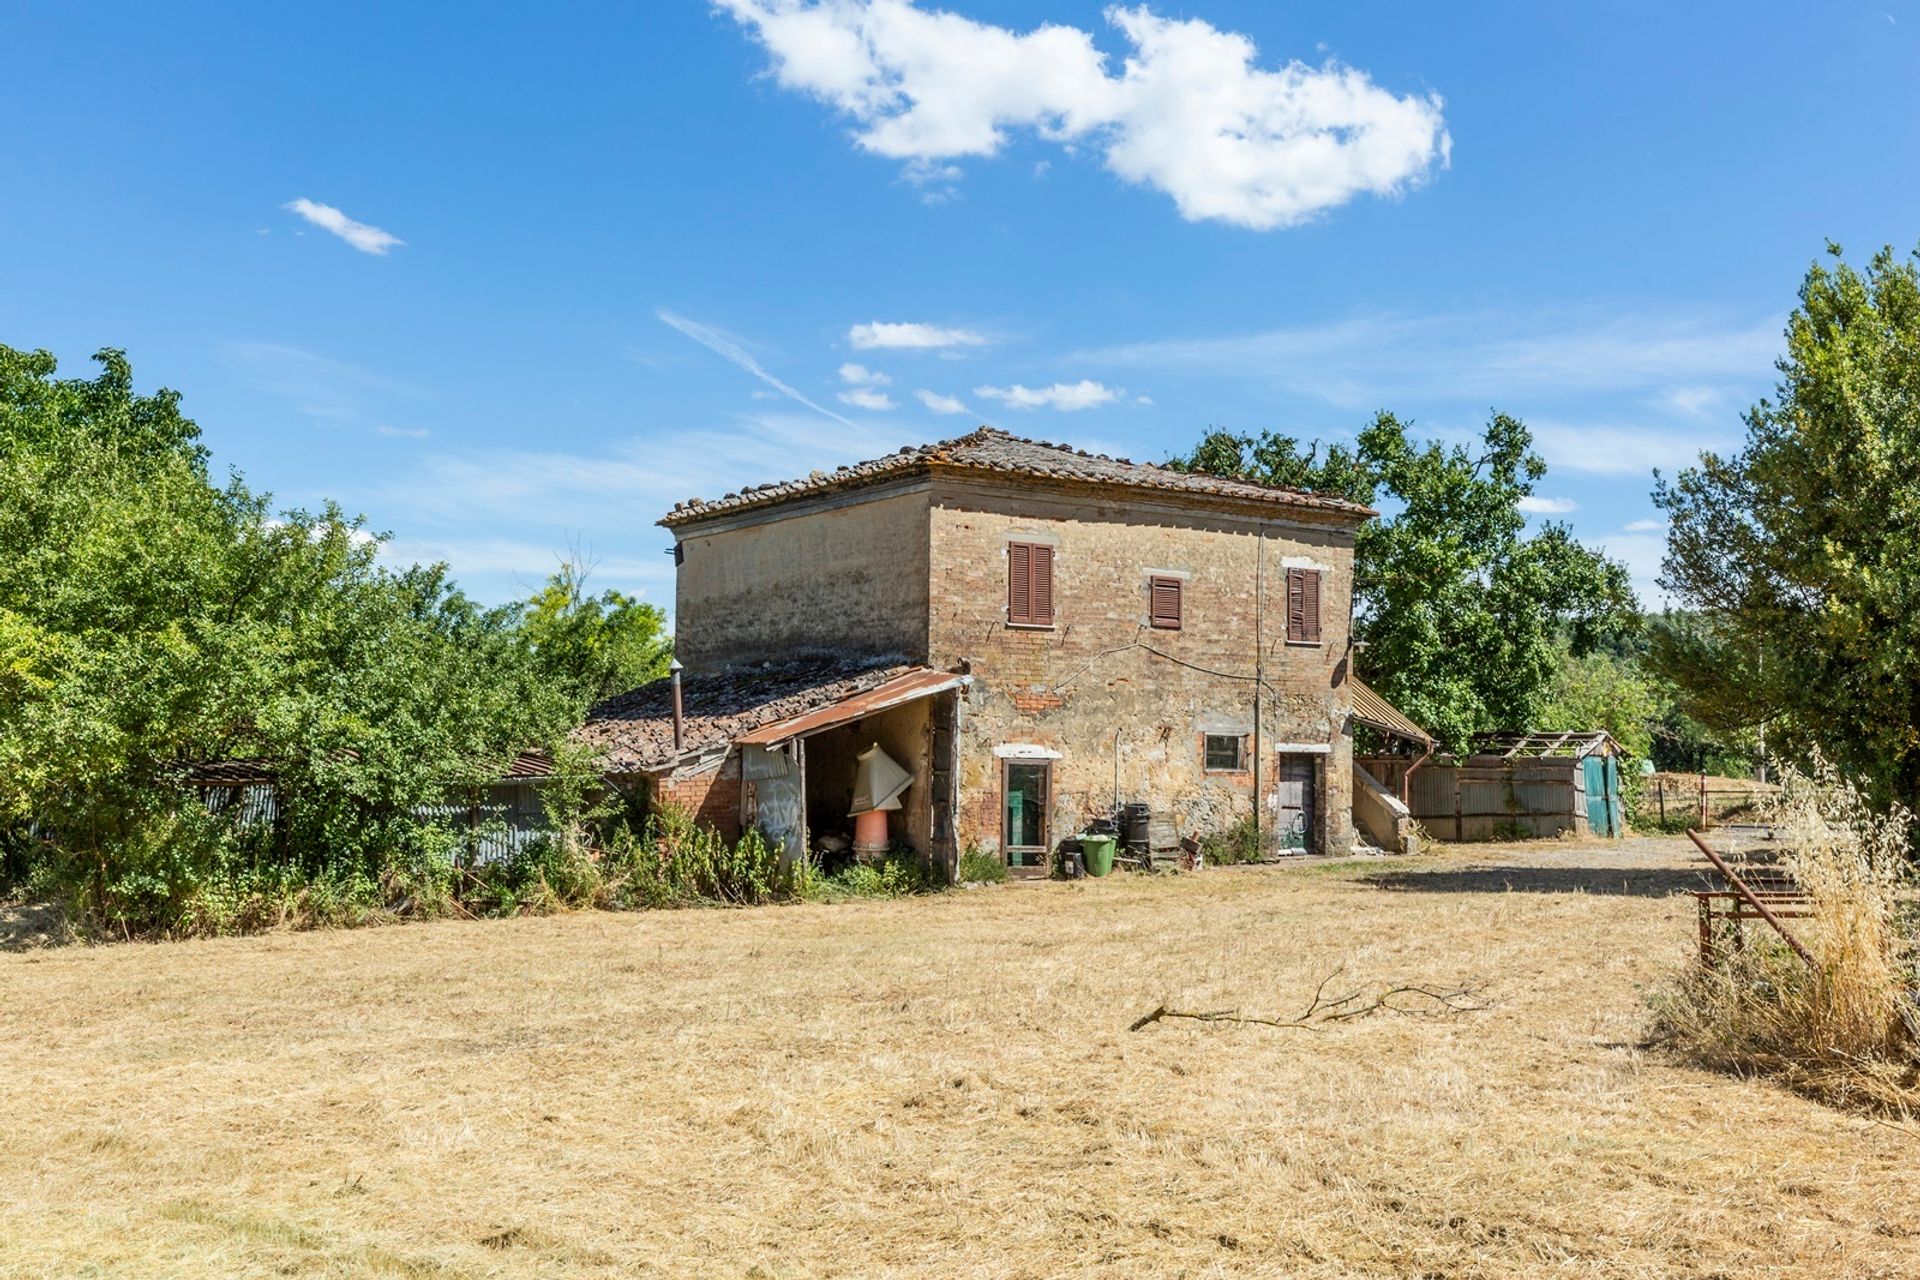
point(1098, 852)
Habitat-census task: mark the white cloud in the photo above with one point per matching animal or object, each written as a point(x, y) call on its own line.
point(727, 348)
point(1604, 450)
point(1646, 526)
point(1190, 112)
point(911, 337)
point(1697, 402)
point(1485, 356)
point(1063, 396)
point(365, 238)
point(859, 375)
point(1144, 401)
point(411, 433)
point(1534, 505)
point(866, 398)
point(939, 403)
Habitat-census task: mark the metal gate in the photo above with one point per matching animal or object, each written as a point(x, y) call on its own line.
point(1293, 806)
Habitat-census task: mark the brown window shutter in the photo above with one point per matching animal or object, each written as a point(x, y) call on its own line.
point(1163, 603)
point(1042, 590)
point(1019, 582)
point(1296, 605)
point(1310, 599)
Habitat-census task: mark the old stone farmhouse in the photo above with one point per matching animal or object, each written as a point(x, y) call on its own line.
point(1035, 634)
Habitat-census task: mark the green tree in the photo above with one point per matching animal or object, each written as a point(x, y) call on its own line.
point(1797, 555)
point(593, 647)
point(1463, 614)
point(1601, 690)
point(151, 619)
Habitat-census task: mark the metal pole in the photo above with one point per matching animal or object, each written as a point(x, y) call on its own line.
point(1259, 651)
point(679, 712)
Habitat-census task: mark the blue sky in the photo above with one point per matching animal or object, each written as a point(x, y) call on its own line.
point(513, 279)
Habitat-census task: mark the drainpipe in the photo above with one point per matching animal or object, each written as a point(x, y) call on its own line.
point(679, 713)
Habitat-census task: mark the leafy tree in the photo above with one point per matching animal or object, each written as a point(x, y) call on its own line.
point(150, 619)
point(1462, 613)
point(1799, 553)
point(1602, 690)
point(593, 647)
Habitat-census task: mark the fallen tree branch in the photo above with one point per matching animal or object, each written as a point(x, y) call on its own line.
point(1322, 1012)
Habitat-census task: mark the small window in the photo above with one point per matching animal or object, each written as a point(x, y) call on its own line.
point(1029, 584)
point(1223, 753)
point(1303, 606)
point(1164, 603)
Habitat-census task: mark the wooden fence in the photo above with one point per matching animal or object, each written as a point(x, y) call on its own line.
point(1703, 800)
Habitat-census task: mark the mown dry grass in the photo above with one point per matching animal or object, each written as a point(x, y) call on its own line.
point(939, 1087)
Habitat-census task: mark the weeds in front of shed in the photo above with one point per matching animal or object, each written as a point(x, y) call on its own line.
point(900, 873)
point(1845, 1028)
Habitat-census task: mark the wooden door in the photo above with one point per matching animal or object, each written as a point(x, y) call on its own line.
point(1293, 804)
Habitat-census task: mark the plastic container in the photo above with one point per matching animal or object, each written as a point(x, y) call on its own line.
point(1099, 853)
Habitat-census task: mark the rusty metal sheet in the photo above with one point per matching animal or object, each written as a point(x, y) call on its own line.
point(1369, 708)
point(906, 688)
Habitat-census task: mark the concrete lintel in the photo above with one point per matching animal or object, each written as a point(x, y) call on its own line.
point(1025, 751)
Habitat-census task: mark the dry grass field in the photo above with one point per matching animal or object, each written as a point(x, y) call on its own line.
point(941, 1087)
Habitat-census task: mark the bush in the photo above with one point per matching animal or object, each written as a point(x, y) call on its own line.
point(678, 861)
point(1847, 1027)
point(1238, 843)
point(981, 868)
point(900, 873)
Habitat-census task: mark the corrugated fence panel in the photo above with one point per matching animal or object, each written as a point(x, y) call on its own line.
point(1486, 799)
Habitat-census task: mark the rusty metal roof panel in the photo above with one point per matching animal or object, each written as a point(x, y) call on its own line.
point(1540, 743)
point(900, 689)
point(1369, 708)
point(992, 451)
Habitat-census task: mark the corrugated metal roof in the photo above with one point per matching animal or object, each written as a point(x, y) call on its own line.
point(530, 764)
point(915, 684)
point(239, 772)
point(992, 450)
point(1369, 708)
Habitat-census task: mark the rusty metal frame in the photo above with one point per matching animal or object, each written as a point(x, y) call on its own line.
point(1752, 899)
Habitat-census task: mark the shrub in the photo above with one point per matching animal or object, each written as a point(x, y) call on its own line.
point(1238, 843)
point(1847, 1026)
point(981, 868)
point(677, 861)
point(900, 873)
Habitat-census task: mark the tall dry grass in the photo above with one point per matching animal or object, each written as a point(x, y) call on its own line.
point(1845, 1027)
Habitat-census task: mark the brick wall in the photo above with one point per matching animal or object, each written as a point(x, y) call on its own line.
point(1101, 668)
point(712, 796)
point(847, 574)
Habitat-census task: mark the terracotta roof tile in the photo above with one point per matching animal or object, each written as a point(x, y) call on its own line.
point(992, 450)
point(634, 730)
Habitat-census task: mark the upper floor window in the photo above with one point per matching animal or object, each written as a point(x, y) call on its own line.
point(1303, 606)
point(1029, 584)
point(1164, 603)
